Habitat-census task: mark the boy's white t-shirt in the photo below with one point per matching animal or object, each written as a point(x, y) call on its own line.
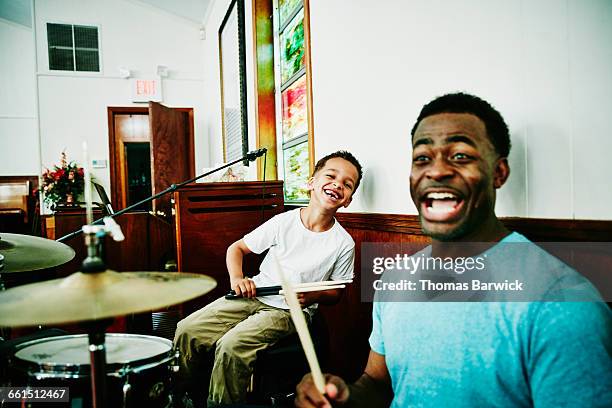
point(304, 255)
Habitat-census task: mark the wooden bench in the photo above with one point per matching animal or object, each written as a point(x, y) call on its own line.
point(14, 197)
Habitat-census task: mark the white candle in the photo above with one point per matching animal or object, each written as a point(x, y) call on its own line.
point(88, 192)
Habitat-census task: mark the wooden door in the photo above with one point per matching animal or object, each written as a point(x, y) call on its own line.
point(172, 151)
point(169, 134)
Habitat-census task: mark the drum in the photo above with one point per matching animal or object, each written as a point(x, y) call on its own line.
point(138, 368)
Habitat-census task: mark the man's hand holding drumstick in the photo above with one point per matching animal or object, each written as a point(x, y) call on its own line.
point(336, 392)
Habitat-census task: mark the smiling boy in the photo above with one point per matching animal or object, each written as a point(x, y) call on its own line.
point(310, 245)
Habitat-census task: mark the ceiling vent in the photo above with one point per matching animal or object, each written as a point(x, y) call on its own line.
point(73, 48)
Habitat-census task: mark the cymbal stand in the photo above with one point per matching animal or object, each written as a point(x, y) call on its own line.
point(96, 330)
point(250, 156)
point(1, 269)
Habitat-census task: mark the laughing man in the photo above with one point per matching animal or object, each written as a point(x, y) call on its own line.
point(472, 354)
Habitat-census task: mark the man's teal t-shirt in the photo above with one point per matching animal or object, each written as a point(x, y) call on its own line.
point(497, 354)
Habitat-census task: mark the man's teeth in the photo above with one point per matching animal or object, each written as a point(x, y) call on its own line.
point(440, 210)
point(441, 196)
point(441, 202)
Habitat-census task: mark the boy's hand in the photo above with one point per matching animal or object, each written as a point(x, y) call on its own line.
point(325, 297)
point(307, 395)
point(244, 287)
point(306, 298)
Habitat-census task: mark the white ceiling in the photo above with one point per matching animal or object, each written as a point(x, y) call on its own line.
point(194, 10)
point(18, 11)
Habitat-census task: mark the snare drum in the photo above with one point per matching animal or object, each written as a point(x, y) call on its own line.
point(137, 366)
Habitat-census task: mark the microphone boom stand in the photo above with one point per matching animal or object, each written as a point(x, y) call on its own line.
point(250, 156)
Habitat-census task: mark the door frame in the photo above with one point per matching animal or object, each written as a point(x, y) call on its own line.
point(118, 187)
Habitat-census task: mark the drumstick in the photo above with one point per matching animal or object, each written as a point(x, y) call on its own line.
point(302, 329)
point(300, 287)
point(314, 288)
point(322, 283)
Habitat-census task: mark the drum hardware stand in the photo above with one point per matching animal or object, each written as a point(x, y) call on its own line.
point(126, 389)
point(3, 333)
point(250, 156)
point(1, 269)
point(96, 329)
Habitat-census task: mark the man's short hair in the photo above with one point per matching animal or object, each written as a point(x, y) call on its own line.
point(343, 154)
point(460, 102)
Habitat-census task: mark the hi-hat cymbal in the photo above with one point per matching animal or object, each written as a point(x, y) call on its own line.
point(27, 253)
point(91, 296)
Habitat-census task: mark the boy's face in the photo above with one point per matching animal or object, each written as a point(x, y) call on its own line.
point(332, 187)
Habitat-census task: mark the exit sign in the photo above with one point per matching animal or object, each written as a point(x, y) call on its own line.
point(145, 90)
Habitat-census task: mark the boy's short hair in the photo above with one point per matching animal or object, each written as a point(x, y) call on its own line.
point(460, 102)
point(343, 154)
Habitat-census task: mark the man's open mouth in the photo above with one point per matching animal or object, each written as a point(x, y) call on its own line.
point(441, 206)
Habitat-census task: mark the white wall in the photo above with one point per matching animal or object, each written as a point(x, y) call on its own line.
point(18, 135)
point(545, 64)
point(73, 106)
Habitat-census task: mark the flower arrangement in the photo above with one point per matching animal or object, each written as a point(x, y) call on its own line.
point(65, 183)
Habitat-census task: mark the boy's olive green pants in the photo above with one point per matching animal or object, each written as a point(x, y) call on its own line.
point(239, 329)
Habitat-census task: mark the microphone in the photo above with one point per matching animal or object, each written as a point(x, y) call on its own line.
point(254, 154)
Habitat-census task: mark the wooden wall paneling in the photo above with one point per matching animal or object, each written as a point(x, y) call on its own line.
point(556, 230)
point(406, 224)
point(131, 254)
point(148, 241)
point(345, 324)
point(162, 246)
point(65, 223)
point(537, 229)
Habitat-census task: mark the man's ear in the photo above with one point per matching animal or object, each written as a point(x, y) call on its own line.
point(501, 172)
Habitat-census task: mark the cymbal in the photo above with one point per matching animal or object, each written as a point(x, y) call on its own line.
point(28, 253)
point(91, 296)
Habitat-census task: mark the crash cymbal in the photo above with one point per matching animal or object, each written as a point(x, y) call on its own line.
point(91, 296)
point(28, 253)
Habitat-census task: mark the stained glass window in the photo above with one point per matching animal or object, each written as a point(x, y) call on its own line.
point(286, 8)
point(292, 47)
point(295, 115)
point(292, 85)
point(297, 171)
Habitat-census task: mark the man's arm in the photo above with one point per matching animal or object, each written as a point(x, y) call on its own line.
point(372, 389)
point(241, 285)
